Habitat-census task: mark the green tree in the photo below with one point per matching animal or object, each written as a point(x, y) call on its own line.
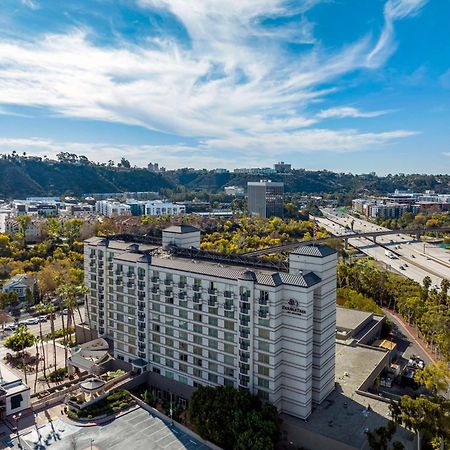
point(434, 377)
point(380, 438)
point(20, 339)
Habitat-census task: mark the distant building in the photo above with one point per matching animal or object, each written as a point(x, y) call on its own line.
point(161, 208)
point(14, 393)
point(236, 191)
point(220, 170)
point(20, 284)
point(256, 171)
point(153, 167)
point(265, 198)
point(34, 231)
point(282, 167)
point(112, 209)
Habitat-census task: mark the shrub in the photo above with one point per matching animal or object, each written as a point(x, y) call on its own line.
point(58, 374)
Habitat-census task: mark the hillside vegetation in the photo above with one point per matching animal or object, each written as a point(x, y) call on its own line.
point(22, 176)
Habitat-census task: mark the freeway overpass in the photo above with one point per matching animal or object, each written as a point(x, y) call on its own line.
point(351, 235)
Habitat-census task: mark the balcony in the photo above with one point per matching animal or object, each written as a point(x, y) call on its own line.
point(244, 333)
point(131, 275)
point(244, 321)
point(228, 294)
point(168, 282)
point(92, 263)
point(100, 264)
point(155, 290)
point(141, 347)
point(141, 326)
point(118, 272)
point(141, 277)
point(196, 288)
point(141, 295)
point(168, 293)
point(245, 297)
point(245, 311)
point(263, 314)
point(141, 336)
point(182, 295)
point(155, 280)
point(243, 371)
point(212, 291)
point(110, 267)
point(228, 306)
point(263, 302)
point(119, 289)
point(142, 355)
point(244, 356)
point(182, 285)
point(196, 298)
point(141, 307)
point(141, 317)
point(212, 301)
point(244, 345)
point(101, 304)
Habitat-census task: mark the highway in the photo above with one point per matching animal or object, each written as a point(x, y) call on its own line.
point(417, 259)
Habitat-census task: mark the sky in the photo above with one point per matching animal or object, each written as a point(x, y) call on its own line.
point(344, 85)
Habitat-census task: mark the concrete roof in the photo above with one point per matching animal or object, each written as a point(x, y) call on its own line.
point(317, 250)
point(350, 319)
point(181, 229)
point(343, 415)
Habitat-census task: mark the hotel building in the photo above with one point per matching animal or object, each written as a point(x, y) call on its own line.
point(205, 319)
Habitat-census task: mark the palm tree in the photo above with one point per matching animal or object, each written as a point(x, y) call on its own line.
point(50, 310)
point(41, 309)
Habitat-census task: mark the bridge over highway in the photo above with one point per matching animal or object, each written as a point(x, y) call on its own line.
point(372, 234)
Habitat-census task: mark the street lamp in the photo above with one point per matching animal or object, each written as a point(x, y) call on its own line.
point(92, 440)
point(16, 418)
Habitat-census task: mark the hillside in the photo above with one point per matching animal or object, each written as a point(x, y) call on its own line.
point(21, 177)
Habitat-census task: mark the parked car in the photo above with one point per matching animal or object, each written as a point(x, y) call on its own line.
point(64, 312)
point(9, 328)
point(42, 318)
point(32, 321)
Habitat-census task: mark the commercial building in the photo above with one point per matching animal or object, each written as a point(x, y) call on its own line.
point(282, 167)
point(194, 318)
point(14, 393)
point(162, 208)
point(110, 208)
point(265, 198)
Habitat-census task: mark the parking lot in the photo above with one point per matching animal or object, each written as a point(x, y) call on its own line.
point(137, 430)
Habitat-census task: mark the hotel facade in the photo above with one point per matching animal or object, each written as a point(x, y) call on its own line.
point(203, 319)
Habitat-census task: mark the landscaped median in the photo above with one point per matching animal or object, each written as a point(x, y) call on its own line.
point(112, 404)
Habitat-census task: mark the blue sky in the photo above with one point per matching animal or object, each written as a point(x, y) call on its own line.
point(345, 85)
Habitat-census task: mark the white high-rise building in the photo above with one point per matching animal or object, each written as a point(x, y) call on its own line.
point(200, 319)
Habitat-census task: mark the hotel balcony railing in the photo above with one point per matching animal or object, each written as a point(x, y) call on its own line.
point(196, 299)
point(196, 287)
point(228, 294)
point(168, 282)
point(263, 314)
point(244, 346)
point(244, 333)
point(141, 336)
point(228, 306)
point(100, 264)
point(263, 302)
point(181, 285)
point(168, 293)
point(141, 277)
point(155, 290)
point(155, 280)
point(212, 291)
point(141, 326)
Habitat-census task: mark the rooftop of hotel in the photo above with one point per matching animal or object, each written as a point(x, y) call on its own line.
point(345, 415)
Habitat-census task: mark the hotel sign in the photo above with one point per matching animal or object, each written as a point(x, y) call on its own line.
point(292, 308)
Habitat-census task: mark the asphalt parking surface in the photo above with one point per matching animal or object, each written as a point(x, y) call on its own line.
point(137, 430)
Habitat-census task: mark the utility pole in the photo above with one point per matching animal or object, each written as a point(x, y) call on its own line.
point(171, 412)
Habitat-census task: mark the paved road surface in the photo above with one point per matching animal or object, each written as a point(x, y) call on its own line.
point(418, 266)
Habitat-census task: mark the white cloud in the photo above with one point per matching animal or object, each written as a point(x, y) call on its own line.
point(348, 111)
point(393, 10)
point(30, 4)
point(233, 83)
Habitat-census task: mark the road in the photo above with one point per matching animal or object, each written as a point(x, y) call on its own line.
point(410, 253)
point(46, 326)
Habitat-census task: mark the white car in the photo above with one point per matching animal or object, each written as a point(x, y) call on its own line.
point(32, 321)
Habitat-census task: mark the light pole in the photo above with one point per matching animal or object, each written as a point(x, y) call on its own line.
point(171, 415)
point(17, 417)
point(92, 440)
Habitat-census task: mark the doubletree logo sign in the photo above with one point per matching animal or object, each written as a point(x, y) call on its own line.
point(292, 308)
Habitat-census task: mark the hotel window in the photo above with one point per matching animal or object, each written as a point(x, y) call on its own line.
point(183, 314)
point(169, 352)
point(169, 342)
point(213, 321)
point(213, 355)
point(155, 338)
point(263, 383)
point(228, 325)
point(228, 360)
point(183, 368)
point(197, 339)
point(197, 317)
point(228, 348)
point(265, 334)
point(183, 357)
point(213, 332)
point(169, 331)
point(228, 372)
point(213, 344)
point(198, 362)
point(263, 371)
point(212, 378)
point(169, 310)
point(183, 379)
point(227, 382)
point(197, 350)
point(156, 348)
point(156, 359)
point(183, 325)
point(182, 335)
point(197, 373)
point(155, 307)
point(183, 346)
point(212, 366)
point(198, 329)
point(169, 374)
point(229, 337)
point(265, 359)
point(264, 346)
point(156, 327)
point(169, 363)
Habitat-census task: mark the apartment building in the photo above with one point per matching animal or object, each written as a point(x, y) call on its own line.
point(110, 208)
point(203, 319)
